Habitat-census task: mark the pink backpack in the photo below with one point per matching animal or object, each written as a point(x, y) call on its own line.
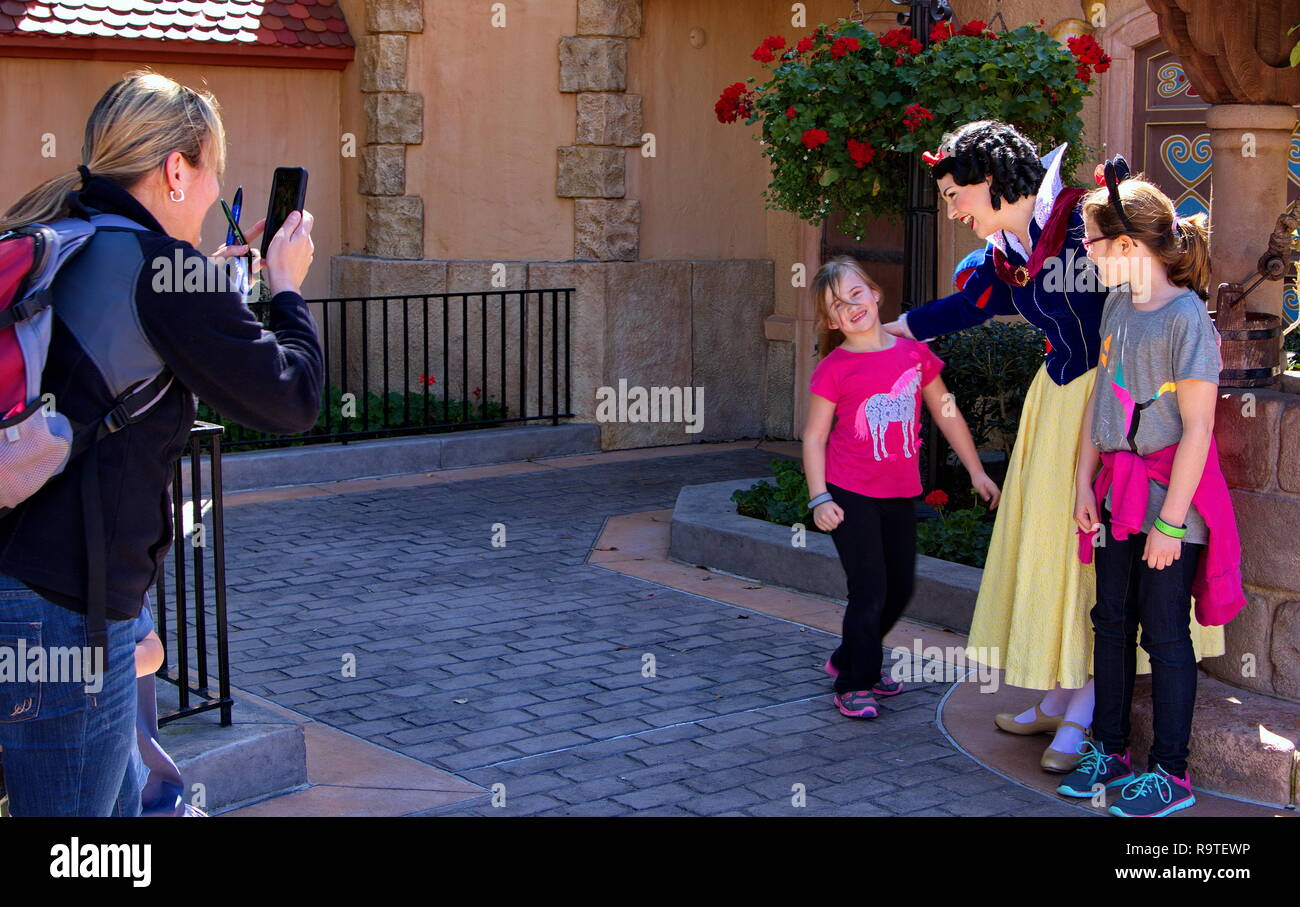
point(36, 440)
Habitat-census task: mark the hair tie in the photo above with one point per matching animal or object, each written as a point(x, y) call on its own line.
point(1115, 172)
point(85, 174)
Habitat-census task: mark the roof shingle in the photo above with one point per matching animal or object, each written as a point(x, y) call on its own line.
point(300, 25)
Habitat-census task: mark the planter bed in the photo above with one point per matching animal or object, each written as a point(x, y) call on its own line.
point(706, 531)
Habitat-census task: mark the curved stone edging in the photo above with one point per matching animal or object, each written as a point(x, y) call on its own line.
point(706, 531)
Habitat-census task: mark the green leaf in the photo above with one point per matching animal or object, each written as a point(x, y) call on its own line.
point(829, 177)
point(1295, 55)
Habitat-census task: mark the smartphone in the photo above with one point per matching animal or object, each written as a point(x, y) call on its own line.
point(288, 193)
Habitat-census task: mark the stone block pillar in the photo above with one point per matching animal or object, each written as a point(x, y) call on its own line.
point(593, 65)
point(1251, 144)
point(394, 120)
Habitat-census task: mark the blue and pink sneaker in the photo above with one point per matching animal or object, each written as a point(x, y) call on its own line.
point(1096, 768)
point(887, 686)
point(857, 704)
point(1154, 794)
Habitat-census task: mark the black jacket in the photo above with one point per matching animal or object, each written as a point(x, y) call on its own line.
point(215, 347)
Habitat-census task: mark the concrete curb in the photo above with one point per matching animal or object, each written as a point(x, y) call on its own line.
point(315, 463)
point(262, 754)
point(707, 531)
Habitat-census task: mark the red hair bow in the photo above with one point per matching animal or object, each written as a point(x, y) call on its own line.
point(1099, 174)
point(933, 159)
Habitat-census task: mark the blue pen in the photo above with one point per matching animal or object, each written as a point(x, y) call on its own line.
point(234, 213)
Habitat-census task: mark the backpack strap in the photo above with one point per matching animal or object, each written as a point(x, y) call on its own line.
point(27, 308)
point(129, 407)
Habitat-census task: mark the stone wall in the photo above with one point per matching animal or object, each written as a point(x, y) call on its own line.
point(1258, 434)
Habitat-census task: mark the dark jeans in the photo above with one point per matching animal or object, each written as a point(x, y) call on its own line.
point(877, 546)
point(1129, 593)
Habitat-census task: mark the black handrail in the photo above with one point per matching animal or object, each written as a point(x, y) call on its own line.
point(188, 659)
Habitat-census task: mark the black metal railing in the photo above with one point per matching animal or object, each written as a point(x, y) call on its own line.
point(423, 363)
point(192, 620)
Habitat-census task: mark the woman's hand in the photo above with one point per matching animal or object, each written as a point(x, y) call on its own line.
point(1085, 508)
point(987, 489)
point(224, 253)
point(289, 255)
point(828, 516)
point(1161, 550)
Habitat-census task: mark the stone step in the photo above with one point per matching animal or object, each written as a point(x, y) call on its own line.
point(312, 463)
point(1243, 743)
point(261, 754)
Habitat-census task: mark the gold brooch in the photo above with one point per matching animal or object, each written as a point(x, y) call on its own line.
point(1021, 276)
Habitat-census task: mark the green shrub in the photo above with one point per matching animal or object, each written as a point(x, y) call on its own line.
point(988, 370)
point(785, 503)
point(403, 411)
point(961, 536)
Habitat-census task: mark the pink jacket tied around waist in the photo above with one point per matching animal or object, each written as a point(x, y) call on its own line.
point(1217, 586)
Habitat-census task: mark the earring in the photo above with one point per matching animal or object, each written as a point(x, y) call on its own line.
point(172, 195)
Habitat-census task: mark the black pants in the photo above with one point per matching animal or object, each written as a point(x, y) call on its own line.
point(877, 546)
point(1129, 593)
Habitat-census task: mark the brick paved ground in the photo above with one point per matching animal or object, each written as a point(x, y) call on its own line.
point(523, 666)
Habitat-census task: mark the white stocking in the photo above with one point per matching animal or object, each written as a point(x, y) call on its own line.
point(1053, 704)
point(1079, 710)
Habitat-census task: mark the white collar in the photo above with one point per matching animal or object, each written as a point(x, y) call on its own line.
point(1043, 202)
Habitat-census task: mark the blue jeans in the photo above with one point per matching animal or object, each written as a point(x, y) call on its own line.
point(1129, 593)
point(67, 739)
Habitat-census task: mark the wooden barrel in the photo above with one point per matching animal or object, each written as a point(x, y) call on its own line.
point(1252, 356)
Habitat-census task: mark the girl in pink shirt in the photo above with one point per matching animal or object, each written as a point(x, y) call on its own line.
point(861, 456)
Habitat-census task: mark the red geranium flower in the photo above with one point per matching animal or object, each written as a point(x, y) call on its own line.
point(843, 46)
point(937, 499)
point(915, 114)
point(805, 45)
point(733, 104)
point(763, 54)
point(975, 28)
point(896, 37)
point(862, 153)
point(814, 138)
point(941, 31)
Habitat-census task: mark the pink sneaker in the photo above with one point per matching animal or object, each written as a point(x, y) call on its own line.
point(886, 687)
point(857, 704)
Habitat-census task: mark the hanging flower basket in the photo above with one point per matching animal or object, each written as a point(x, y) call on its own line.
point(844, 109)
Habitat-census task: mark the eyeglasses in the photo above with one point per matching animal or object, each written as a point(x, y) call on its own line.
point(1087, 241)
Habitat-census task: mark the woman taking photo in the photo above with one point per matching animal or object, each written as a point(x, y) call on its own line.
point(154, 152)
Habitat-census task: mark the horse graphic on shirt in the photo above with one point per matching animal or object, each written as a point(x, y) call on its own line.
point(899, 405)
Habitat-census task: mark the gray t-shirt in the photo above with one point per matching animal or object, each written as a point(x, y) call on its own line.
point(1143, 354)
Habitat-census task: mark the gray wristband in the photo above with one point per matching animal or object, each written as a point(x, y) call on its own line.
point(819, 500)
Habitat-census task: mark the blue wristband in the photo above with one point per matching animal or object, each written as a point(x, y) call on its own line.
point(822, 498)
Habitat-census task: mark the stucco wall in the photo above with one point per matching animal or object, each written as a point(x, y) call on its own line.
point(263, 131)
point(493, 117)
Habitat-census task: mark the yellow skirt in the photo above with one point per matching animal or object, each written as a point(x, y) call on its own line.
point(1032, 615)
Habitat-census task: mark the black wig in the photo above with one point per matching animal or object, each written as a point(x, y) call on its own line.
point(992, 148)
